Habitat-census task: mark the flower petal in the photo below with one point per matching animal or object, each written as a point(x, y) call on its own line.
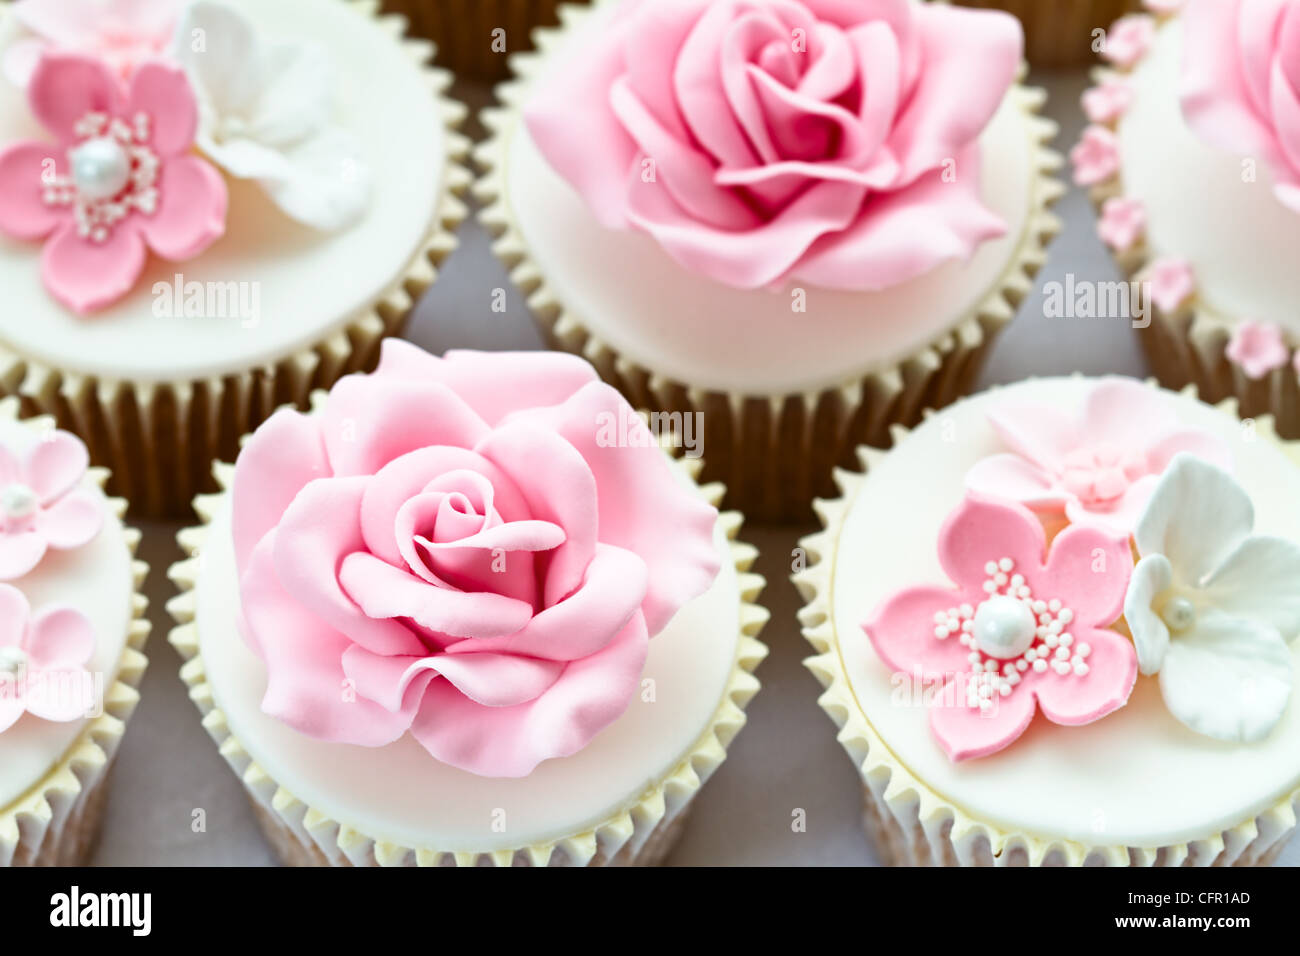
point(56, 464)
point(1124, 413)
point(493, 680)
point(1071, 699)
point(1014, 478)
point(1197, 517)
point(191, 213)
point(281, 458)
point(59, 639)
point(161, 91)
point(590, 694)
point(966, 732)
point(1088, 570)
point(19, 553)
point(305, 683)
point(642, 505)
point(14, 612)
point(1259, 580)
point(982, 530)
point(1039, 433)
point(72, 521)
point(321, 181)
point(86, 276)
point(225, 67)
point(66, 86)
point(1229, 678)
point(902, 630)
point(23, 212)
point(1151, 578)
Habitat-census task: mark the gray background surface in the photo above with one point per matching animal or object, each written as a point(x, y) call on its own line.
point(785, 759)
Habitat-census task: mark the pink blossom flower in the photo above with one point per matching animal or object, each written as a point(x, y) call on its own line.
point(123, 33)
point(118, 180)
point(813, 140)
point(1241, 83)
point(1096, 157)
point(1107, 101)
point(1128, 39)
point(1258, 347)
point(1024, 629)
point(1122, 222)
point(1171, 283)
point(1100, 466)
point(458, 538)
point(42, 503)
point(43, 661)
point(1163, 7)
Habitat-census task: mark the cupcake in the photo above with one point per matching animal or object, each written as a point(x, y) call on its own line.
point(1063, 33)
point(1056, 626)
point(207, 210)
point(468, 611)
point(1191, 161)
point(474, 37)
point(71, 639)
point(791, 223)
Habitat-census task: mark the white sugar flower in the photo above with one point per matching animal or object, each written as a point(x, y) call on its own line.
point(265, 114)
point(1211, 606)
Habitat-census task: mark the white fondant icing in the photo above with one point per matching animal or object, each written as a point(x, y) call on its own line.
point(95, 579)
point(681, 325)
point(1242, 244)
point(1137, 777)
point(308, 284)
point(399, 793)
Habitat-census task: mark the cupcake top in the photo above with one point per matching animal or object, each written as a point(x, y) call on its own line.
point(476, 576)
point(177, 179)
point(1200, 102)
point(729, 166)
point(67, 603)
point(1058, 595)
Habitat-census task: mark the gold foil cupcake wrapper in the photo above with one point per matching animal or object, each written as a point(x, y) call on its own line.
point(913, 825)
point(638, 834)
point(774, 453)
point(55, 821)
point(158, 438)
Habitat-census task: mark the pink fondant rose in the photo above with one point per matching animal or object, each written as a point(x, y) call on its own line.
point(118, 181)
point(1099, 466)
point(447, 548)
point(1024, 629)
point(1241, 82)
point(42, 503)
point(828, 141)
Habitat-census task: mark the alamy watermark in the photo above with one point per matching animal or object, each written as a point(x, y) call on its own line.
point(627, 429)
point(180, 299)
point(1083, 299)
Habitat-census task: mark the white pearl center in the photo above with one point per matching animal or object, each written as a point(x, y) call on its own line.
point(17, 502)
point(100, 168)
point(1179, 614)
point(13, 660)
point(1004, 627)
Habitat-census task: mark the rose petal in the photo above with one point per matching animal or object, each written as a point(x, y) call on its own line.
point(1229, 678)
point(86, 276)
point(191, 213)
point(493, 680)
point(306, 686)
point(23, 168)
point(589, 695)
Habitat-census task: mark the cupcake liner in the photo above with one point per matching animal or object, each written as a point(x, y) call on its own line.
point(1188, 345)
point(775, 452)
point(1060, 33)
point(158, 438)
point(913, 825)
point(463, 30)
point(55, 822)
point(640, 834)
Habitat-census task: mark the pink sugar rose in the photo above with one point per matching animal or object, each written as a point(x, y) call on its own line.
point(453, 537)
point(119, 179)
point(1241, 83)
point(1025, 628)
point(123, 33)
point(789, 140)
point(42, 503)
point(43, 661)
point(1100, 466)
